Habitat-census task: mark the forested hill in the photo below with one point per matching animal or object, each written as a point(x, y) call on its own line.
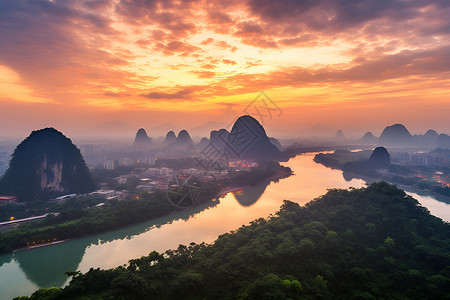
point(370, 243)
point(44, 165)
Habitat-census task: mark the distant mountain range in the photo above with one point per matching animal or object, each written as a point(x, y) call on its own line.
point(399, 135)
point(392, 135)
point(120, 128)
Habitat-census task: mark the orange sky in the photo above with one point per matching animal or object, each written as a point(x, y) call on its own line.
point(345, 64)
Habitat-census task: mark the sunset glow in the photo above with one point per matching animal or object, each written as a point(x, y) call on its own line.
point(87, 62)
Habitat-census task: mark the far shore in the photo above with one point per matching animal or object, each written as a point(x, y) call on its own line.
point(275, 177)
point(45, 244)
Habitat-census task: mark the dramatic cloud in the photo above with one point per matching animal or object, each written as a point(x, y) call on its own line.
point(177, 47)
point(229, 62)
point(111, 53)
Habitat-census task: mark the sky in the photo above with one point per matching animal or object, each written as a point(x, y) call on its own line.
point(349, 64)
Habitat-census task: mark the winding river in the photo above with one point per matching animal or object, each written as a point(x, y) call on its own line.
point(23, 272)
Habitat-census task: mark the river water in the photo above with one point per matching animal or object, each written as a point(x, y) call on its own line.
point(23, 272)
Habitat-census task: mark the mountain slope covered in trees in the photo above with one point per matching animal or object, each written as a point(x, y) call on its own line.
point(370, 243)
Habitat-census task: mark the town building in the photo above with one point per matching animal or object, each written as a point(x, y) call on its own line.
point(4, 200)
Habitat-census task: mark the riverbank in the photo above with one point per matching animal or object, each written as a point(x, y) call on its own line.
point(273, 178)
point(22, 272)
point(394, 174)
point(297, 241)
point(44, 244)
point(119, 214)
point(115, 215)
point(414, 189)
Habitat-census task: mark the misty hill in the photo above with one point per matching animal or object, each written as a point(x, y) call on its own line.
point(367, 163)
point(170, 137)
point(431, 135)
point(368, 138)
point(379, 159)
point(203, 143)
point(340, 135)
point(183, 139)
point(46, 164)
point(248, 140)
point(219, 138)
point(430, 138)
point(396, 134)
point(142, 139)
point(374, 242)
point(443, 140)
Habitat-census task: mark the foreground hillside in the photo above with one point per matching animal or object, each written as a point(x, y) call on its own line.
point(369, 243)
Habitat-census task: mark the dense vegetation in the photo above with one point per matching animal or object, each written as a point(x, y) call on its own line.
point(369, 243)
point(36, 208)
point(339, 158)
point(33, 164)
point(77, 221)
point(78, 217)
point(356, 165)
point(357, 162)
point(255, 175)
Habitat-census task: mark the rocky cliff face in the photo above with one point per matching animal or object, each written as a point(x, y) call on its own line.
point(50, 175)
point(44, 165)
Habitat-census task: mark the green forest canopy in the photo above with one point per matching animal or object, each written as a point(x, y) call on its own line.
point(370, 243)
